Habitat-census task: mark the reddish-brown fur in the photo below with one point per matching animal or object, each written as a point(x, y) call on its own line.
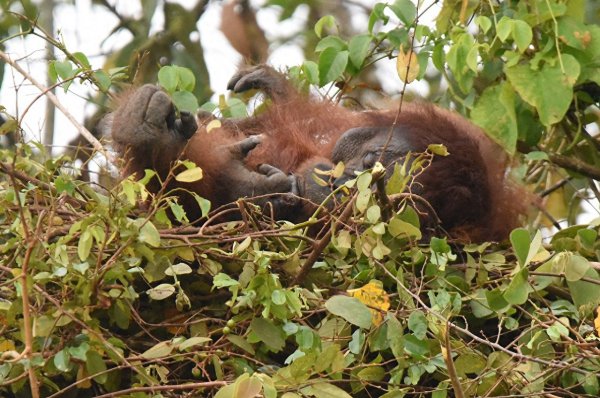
point(298, 132)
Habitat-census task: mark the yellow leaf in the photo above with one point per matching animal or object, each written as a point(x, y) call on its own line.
point(213, 124)
point(597, 321)
point(338, 171)
point(81, 375)
point(190, 175)
point(7, 345)
point(374, 297)
point(407, 65)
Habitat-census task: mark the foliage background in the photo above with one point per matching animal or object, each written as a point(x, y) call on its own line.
point(100, 296)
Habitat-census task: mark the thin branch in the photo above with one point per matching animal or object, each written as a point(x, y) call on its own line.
point(80, 128)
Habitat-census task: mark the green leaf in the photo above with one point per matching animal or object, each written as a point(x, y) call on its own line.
point(438, 149)
point(190, 175)
point(185, 101)
point(399, 228)
point(160, 350)
point(194, 341)
point(224, 280)
point(148, 233)
point(438, 56)
point(103, 79)
point(235, 108)
point(80, 352)
point(94, 364)
point(161, 291)
point(241, 247)
point(479, 305)
point(575, 34)
point(242, 343)
point(471, 59)
point(62, 361)
point(417, 322)
point(186, 79)
point(525, 249)
point(324, 390)
point(372, 374)
point(363, 182)
point(457, 58)
point(377, 15)
point(278, 297)
point(357, 342)
point(587, 237)
point(520, 240)
point(470, 362)
point(503, 29)
point(557, 331)
point(268, 333)
point(547, 89)
point(576, 268)
point(373, 214)
point(359, 48)
point(495, 113)
point(590, 383)
point(311, 71)
point(328, 21)
point(247, 387)
point(64, 69)
point(85, 245)
point(332, 64)
point(415, 347)
point(178, 211)
point(167, 78)
point(496, 300)
point(204, 204)
point(178, 269)
point(536, 155)
point(405, 10)
point(351, 309)
point(484, 23)
point(83, 59)
point(586, 295)
point(518, 290)
point(331, 42)
point(226, 392)
point(8, 126)
point(522, 35)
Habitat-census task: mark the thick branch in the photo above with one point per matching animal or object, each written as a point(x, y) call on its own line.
point(575, 165)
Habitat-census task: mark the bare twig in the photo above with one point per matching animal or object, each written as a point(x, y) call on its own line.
point(80, 128)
